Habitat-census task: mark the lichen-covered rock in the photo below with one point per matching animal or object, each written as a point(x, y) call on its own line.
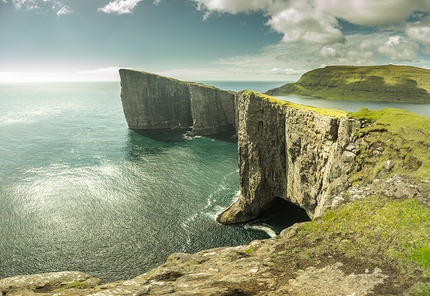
point(45, 282)
point(291, 153)
point(155, 102)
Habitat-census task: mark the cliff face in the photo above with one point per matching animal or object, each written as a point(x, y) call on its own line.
point(155, 102)
point(284, 151)
point(363, 83)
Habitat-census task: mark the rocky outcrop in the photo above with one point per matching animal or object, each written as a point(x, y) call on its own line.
point(291, 152)
point(260, 268)
point(46, 282)
point(154, 102)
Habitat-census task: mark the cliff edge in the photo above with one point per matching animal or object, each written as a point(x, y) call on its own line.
point(155, 102)
point(387, 83)
point(293, 152)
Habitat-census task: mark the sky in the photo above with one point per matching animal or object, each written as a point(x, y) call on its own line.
point(198, 40)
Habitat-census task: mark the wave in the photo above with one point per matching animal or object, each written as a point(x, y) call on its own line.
point(261, 227)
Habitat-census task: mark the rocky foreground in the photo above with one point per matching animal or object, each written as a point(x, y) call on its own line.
point(261, 268)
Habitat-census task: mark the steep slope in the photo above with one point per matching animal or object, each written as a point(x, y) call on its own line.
point(155, 102)
point(362, 83)
point(289, 151)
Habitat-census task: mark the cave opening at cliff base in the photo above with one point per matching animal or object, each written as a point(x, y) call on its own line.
point(282, 214)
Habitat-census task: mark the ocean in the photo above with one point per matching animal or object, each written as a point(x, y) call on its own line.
point(81, 191)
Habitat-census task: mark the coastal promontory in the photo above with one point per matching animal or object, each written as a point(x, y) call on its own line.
point(384, 83)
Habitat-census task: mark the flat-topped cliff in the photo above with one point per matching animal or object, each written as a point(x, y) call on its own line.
point(388, 83)
point(289, 151)
point(155, 102)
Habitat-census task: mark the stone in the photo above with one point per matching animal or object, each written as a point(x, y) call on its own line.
point(282, 155)
point(348, 156)
point(388, 165)
point(46, 281)
point(155, 102)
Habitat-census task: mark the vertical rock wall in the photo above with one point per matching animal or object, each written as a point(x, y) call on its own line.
point(154, 102)
point(288, 152)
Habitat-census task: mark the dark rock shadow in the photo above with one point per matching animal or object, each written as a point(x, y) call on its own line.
point(282, 214)
point(164, 135)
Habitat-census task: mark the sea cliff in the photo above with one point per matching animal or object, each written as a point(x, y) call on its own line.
point(292, 152)
point(155, 102)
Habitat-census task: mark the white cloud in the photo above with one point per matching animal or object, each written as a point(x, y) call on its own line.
point(329, 52)
point(300, 21)
point(286, 71)
point(120, 6)
point(20, 3)
point(420, 32)
point(234, 7)
point(41, 5)
point(294, 58)
point(316, 21)
point(397, 48)
point(64, 10)
point(109, 71)
point(374, 13)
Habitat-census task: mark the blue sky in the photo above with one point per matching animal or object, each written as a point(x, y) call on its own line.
point(69, 40)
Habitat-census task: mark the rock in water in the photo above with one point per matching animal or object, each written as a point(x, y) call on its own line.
point(155, 102)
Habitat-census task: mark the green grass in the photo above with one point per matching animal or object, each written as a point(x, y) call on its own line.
point(76, 285)
point(249, 251)
point(420, 289)
point(376, 229)
point(405, 137)
point(363, 83)
point(322, 111)
point(422, 256)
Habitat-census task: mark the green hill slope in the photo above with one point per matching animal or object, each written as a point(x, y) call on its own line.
point(388, 83)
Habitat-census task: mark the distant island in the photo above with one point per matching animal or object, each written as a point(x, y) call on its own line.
point(384, 83)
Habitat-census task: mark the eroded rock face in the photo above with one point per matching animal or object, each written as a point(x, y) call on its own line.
point(290, 153)
point(154, 102)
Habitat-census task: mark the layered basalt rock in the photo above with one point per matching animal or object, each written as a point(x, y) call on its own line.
point(289, 152)
point(155, 102)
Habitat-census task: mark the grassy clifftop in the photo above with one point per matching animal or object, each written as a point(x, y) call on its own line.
point(388, 83)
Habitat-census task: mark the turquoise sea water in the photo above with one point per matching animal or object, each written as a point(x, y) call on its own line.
point(81, 191)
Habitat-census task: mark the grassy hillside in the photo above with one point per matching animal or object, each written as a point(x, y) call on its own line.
point(387, 83)
point(390, 232)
